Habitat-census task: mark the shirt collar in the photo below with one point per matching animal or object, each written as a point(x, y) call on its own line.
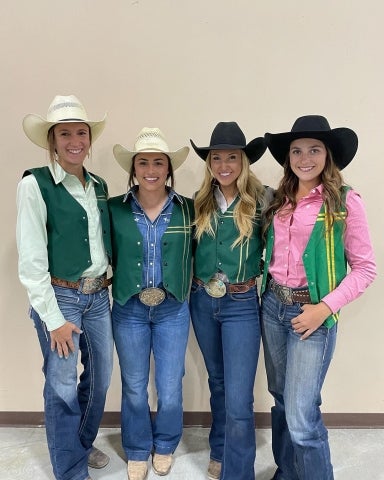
point(220, 199)
point(171, 194)
point(318, 190)
point(59, 174)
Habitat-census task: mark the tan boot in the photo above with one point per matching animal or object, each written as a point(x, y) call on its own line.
point(214, 470)
point(161, 464)
point(137, 470)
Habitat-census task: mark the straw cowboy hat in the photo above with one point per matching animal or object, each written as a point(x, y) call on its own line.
point(149, 140)
point(229, 136)
point(342, 142)
point(63, 109)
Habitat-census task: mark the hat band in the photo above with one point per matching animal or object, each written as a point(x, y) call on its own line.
point(72, 120)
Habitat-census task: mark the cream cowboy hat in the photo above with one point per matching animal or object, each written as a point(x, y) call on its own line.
point(63, 109)
point(149, 140)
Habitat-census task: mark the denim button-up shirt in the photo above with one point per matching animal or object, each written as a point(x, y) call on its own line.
point(152, 233)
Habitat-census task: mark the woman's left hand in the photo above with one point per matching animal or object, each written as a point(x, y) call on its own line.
point(311, 319)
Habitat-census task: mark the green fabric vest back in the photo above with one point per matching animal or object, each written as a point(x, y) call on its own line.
point(324, 257)
point(127, 247)
point(67, 226)
point(216, 253)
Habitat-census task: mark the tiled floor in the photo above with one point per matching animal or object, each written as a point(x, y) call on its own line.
point(356, 455)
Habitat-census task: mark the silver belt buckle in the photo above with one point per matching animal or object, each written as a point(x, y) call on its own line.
point(286, 295)
point(215, 288)
point(283, 293)
point(152, 296)
point(92, 285)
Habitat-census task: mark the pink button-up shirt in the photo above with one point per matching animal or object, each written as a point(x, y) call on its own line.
point(292, 233)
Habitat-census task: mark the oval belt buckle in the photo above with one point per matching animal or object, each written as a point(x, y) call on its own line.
point(152, 296)
point(215, 288)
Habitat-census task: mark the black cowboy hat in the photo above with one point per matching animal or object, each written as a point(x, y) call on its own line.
point(229, 136)
point(342, 142)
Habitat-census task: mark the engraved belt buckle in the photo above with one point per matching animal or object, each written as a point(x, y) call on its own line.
point(152, 296)
point(285, 294)
point(215, 288)
point(92, 285)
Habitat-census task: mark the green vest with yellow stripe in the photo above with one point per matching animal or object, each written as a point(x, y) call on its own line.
point(324, 257)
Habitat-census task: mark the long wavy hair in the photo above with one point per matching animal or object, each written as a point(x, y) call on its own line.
point(285, 195)
point(250, 191)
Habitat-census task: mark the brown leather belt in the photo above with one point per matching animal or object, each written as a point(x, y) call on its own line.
point(288, 295)
point(85, 284)
point(233, 287)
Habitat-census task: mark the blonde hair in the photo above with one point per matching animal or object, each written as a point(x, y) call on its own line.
point(250, 192)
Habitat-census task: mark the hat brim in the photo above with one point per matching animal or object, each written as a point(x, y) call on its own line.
point(343, 143)
point(124, 157)
point(254, 149)
point(36, 128)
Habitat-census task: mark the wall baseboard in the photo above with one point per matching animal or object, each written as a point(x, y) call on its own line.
point(203, 419)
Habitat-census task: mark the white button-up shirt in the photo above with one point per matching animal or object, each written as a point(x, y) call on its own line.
point(32, 239)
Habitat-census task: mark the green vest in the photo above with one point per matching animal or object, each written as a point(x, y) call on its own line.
point(67, 226)
point(127, 247)
point(324, 258)
point(214, 254)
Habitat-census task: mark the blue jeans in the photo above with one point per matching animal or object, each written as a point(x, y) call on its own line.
point(228, 332)
point(74, 407)
point(138, 330)
point(296, 370)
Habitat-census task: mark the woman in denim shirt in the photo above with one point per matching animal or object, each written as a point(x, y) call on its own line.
point(151, 229)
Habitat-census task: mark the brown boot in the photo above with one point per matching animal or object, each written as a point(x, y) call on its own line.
point(97, 459)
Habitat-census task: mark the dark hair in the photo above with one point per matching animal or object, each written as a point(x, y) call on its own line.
point(132, 173)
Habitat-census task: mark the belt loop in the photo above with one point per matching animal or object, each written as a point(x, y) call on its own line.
point(80, 289)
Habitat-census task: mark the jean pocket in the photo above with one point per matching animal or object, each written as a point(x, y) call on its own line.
point(65, 295)
point(245, 296)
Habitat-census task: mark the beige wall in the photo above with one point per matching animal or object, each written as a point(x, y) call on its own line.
point(183, 66)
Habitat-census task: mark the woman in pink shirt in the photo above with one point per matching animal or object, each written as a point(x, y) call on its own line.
point(315, 228)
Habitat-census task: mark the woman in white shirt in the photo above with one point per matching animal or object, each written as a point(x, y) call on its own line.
point(63, 239)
